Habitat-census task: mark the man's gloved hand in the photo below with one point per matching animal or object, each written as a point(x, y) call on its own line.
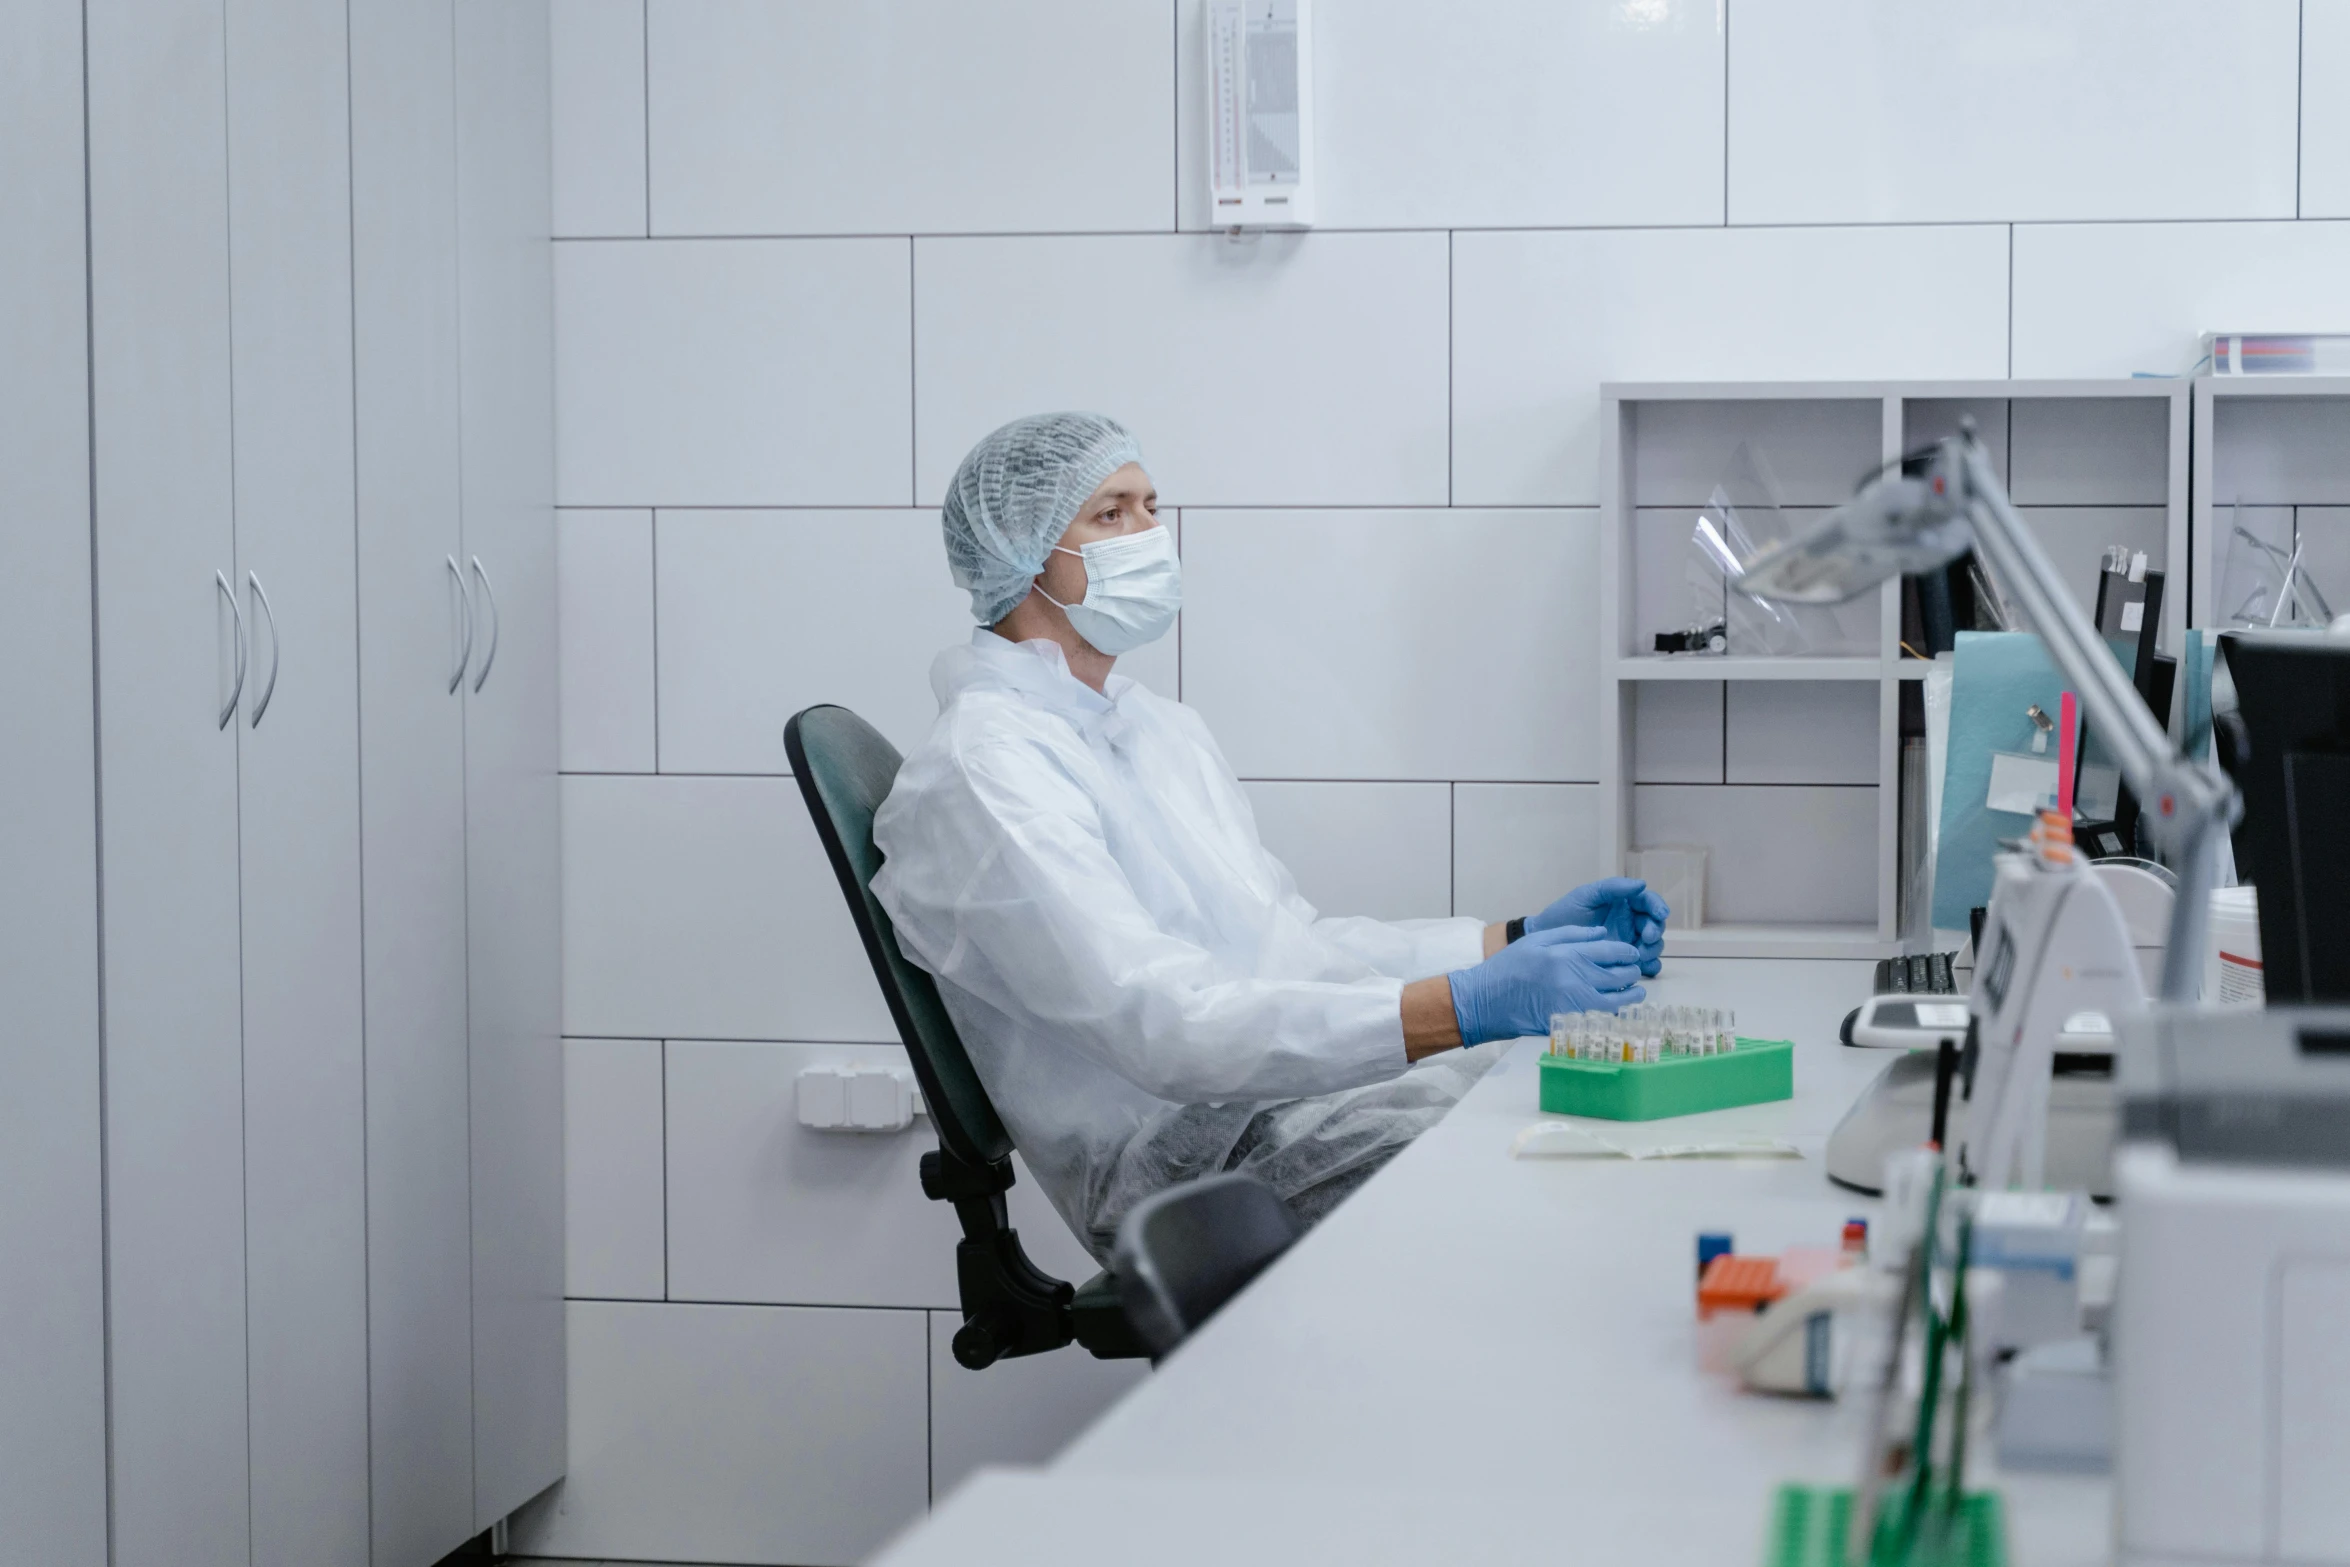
point(1567, 968)
point(1621, 906)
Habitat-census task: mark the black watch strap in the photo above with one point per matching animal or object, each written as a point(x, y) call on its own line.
point(1514, 929)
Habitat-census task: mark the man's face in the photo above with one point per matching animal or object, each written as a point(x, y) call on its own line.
point(1126, 502)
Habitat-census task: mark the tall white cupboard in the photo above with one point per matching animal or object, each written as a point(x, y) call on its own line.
point(280, 1088)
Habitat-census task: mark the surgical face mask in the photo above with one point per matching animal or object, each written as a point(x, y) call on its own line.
point(1133, 587)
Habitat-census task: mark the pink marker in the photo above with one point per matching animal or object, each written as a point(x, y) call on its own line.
point(2067, 740)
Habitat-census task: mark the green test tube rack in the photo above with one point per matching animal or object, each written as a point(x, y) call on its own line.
point(1756, 1072)
point(1808, 1527)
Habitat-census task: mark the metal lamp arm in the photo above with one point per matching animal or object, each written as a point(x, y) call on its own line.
point(2186, 804)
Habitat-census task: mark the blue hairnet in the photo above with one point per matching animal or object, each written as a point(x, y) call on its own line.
point(1016, 494)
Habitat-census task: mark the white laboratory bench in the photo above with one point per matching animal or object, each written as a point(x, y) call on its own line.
point(1481, 1358)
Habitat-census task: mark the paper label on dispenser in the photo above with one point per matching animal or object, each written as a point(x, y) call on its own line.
point(2021, 784)
point(2134, 615)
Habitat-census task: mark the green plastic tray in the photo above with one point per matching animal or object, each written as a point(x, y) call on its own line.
point(1808, 1525)
point(1758, 1071)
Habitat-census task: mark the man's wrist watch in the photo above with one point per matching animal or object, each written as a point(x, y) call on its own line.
point(1513, 930)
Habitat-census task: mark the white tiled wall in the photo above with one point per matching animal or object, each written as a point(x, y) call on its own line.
point(604, 582)
point(1540, 319)
point(615, 1243)
point(598, 71)
point(2120, 298)
point(703, 907)
point(1858, 111)
point(909, 116)
point(738, 372)
point(1277, 370)
point(747, 641)
point(1409, 644)
point(2325, 109)
point(813, 252)
point(1496, 116)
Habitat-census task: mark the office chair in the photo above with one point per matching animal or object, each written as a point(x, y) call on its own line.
point(1182, 1253)
point(1010, 1306)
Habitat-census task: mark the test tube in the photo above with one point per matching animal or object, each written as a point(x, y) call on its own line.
point(1726, 1024)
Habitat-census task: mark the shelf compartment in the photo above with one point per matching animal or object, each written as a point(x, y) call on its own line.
point(1718, 666)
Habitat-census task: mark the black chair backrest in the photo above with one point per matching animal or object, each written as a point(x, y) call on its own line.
point(1182, 1253)
point(845, 769)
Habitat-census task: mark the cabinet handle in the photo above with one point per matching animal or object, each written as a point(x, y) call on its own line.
point(491, 656)
point(269, 686)
point(464, 609)
point(228, 709)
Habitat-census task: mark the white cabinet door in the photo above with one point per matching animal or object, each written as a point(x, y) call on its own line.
point(412, 764)
point(289, 244)
point(513, 843)
point(305, 1174)
point(52, 1355)
point(737, 1434)
point(168, 808)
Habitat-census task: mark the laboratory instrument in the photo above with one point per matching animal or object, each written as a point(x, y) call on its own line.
point(2232, 1387)
point(1909, 1503)
point(2054, 948)
point(2053, 925)
point(1897, 1110)
point(2056, 1408)
point(1906, 1022)
point(1260, 82)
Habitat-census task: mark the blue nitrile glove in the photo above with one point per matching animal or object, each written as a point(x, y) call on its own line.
point(1568, 968)
point(1622, 906)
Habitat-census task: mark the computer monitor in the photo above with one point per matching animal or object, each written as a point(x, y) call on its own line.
point(2290, 745)
point(2129, 618)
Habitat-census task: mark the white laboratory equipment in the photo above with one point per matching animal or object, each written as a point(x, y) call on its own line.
point(2055, 943)
point(2231, 1362)
point(2074, 1038)
point(2054, 947)
point(1260, 81)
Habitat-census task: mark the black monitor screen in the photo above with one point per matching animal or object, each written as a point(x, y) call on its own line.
point(2293, 695)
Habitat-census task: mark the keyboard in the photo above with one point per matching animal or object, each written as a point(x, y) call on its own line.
point(1919, 974)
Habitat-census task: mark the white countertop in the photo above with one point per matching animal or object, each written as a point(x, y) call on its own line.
point(1480, 1349)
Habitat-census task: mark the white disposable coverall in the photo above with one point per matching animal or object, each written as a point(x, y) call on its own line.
point(1138, 983)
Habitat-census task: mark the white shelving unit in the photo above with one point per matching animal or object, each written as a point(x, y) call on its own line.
point(2090, 463)
point(2279, 448)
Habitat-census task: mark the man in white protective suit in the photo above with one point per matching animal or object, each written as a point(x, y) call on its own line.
point(1142, 990)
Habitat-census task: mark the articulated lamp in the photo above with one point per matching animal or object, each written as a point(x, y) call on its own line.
point(1902, 523)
